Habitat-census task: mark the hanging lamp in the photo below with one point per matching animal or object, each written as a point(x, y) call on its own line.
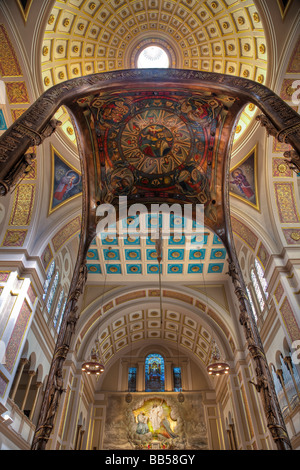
point(158, 248)
point(93, 366)
point(216, 365)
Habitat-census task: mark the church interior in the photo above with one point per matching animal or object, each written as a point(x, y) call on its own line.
point(129, 340)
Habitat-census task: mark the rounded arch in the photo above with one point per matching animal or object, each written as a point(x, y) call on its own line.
point(186, 329)
point(39, 373)
point(32, 361)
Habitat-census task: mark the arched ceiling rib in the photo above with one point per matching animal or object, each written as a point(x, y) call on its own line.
point(124, 320)
point(84, 37)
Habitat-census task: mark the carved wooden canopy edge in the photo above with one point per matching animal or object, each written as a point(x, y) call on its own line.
point(159, 135)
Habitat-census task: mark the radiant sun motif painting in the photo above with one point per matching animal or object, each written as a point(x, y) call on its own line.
point(158, 144)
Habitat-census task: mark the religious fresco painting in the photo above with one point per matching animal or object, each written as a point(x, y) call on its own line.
point(157, 421)
point(157, 144)
point(243, 180)
point(66, 182)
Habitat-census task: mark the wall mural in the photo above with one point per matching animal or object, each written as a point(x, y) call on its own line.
point(157, 143)
point(243, 180)
point(66, 181)
point(155, 422)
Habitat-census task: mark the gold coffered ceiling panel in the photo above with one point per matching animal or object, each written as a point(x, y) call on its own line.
point(83, 37)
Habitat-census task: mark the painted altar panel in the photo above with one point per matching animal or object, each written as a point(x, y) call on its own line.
point(155, 421)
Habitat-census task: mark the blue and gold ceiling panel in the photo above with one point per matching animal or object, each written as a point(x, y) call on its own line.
point(154, 221)
point(176, 240)
point(153, 269)
point(151, 254)
point(134, 269)
point(94, 268)
point(199, 239)
point(176, 254)
point(175, 269)
point(203, 253)
point(197, 254)
point(132, 255)
point(93, 255)
point(195, 268)
point(217, 253)
point(109, 240)
point(111, 254)
point(113, 269)
point(215, 268)
point(132, 241)
point(216, 240)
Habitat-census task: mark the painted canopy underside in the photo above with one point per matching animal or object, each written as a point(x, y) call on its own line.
point(158, 144)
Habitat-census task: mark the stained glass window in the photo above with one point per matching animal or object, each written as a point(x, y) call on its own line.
point(257, 290)
point(154, 373)
point(58, 308)
point(251, 303)
point(262, 279)
point(132, 379)
point(177, 379)
point(62, 314)
point(52, 291)
point(288, 382)
point(48, 279)
point(279, 391)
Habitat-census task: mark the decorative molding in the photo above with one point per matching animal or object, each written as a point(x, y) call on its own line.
point(24, 9)
point(69, 230)
point(286, 203)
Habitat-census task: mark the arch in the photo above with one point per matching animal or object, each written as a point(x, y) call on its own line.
point(95, 318)
point(32, 361)
point(39, 373)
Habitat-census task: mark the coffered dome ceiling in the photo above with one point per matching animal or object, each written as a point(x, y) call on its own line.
point(85, 37)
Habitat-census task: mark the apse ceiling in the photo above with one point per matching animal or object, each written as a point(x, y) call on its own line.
point(177, 328)
point(83, 37)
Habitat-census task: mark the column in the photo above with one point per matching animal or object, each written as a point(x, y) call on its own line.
point(168, 376)
point(82, 431)
point(77, 445)
point(22, 364)
point(140, 385)
point(31, 374)
point(37, 388)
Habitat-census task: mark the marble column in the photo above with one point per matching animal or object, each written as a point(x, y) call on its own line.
point(37, 391)
point(31, 374)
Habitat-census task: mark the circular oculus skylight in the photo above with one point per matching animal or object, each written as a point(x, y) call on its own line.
point(153, 57)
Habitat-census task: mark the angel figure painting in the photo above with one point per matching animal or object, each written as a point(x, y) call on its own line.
point(243, 180)
point(66, 181)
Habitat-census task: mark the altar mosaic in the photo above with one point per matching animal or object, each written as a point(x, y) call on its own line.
point(157, 421)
